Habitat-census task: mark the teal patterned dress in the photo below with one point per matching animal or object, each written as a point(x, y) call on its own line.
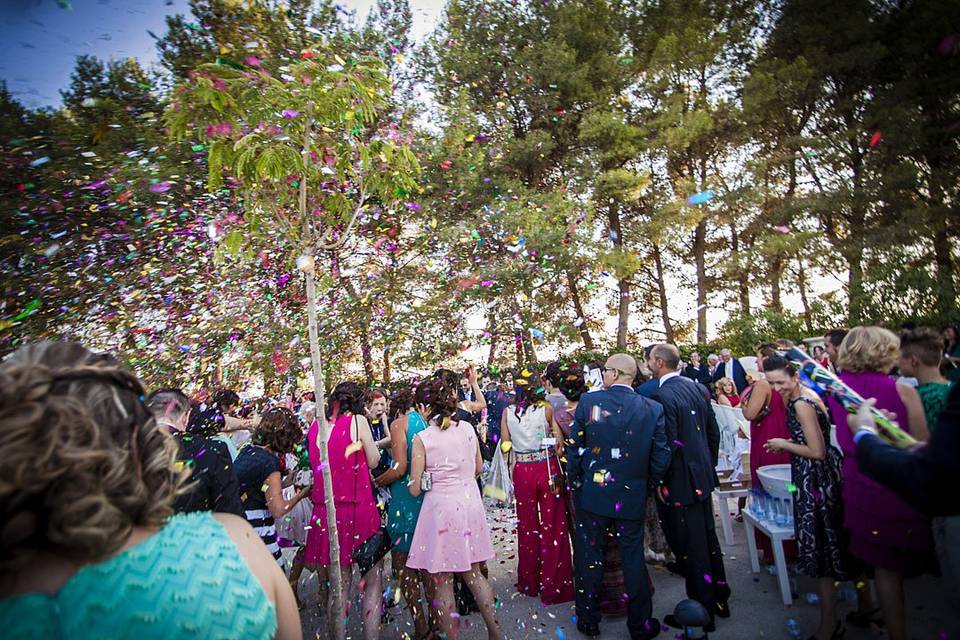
point(187, 581)
point(404, 509)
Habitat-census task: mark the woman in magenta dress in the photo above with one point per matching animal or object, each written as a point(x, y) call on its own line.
point(885, 532)
point(452, 535)
point(352, 453)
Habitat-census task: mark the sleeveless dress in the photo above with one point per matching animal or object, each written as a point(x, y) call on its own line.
point(185, 582)
point(818, 503)
point(357, 515)
point(253, 466)
point(452, 532)
point(885, 531)
point(405, 509)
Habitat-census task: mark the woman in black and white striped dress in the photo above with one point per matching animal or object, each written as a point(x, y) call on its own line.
point(258, 471)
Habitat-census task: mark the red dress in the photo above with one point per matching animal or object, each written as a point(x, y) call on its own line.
point(357, 515)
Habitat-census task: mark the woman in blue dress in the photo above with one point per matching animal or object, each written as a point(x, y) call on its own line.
point(404, 509)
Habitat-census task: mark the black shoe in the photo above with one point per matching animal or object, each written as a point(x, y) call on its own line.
point(671, 621)
point(651, 630)
point(838, 632)
point(588, 629)
point(676, 568)
point(865, 620)
point(722, 609)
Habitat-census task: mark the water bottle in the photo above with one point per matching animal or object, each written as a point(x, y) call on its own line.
point(793, 628)
point(812, 598)
point(756, 504)
point(788, 512)
point(778, 516)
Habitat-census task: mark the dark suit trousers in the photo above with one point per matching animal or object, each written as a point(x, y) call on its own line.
point(591, 545)
point(692, 535)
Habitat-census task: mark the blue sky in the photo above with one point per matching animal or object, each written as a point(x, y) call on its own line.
point(39, 39)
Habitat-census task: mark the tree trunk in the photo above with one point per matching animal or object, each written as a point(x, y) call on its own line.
point(493, 349)
point(338, 622)
point(946, 289)
point(700, 259)
point(776, 274)
point(578, 308)
point(855, 290)
point(366, 350)
point(802, 286)
point(741, 277)
point(623, 284)
point(386, 365)
point(662, 293)
point(323, 437)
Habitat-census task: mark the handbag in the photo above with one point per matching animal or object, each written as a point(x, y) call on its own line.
point(373, 549)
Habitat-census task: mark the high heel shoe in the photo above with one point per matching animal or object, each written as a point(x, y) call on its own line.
point(838, 632)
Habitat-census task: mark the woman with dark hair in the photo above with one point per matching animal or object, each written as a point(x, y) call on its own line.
point(545, 568)
point(452, 535)
point(404, 508)
point(951, 352)
point(90, 543)
point(815, 467)
point(259, 470)
point(352, 454)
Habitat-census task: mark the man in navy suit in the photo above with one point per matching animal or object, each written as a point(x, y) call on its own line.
point(617, 453)
point(685, 502)
point(730, 367)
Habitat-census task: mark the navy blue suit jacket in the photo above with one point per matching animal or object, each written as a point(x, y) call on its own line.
point(694, 437)
point(617, 451)
point(738, 375)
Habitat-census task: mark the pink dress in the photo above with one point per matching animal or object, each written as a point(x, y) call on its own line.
point(357, 515)
point(452, 532)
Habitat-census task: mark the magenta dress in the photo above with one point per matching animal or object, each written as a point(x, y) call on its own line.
point(452, 532)
point(357, 515)
point(772, 424)
point(885, 532)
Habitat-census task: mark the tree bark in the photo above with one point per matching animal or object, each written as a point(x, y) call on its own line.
point(386, 365)
point(366, 350)
point(776, 274)
point(338, 622)
point(662, 293)
point(700, 260)
point(623, 284)
point(578, 308)
point(946, 288)
point(493, 348)
point(802, 286)
point(743, 284)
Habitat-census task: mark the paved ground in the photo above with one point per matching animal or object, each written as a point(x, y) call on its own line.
point(756, 606)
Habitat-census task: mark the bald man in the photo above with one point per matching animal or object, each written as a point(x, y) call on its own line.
point(685, 503)
point(616, 455)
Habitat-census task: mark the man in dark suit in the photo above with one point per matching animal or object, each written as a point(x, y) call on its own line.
point(686, 508)
point(697, 371)
point(616, 454)
point(213, 482)
point(730, 367)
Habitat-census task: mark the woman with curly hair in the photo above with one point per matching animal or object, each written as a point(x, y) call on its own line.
point(90, 545)
point(259, 470)
point(352, 453)
point(452, 535)
point(404, 509)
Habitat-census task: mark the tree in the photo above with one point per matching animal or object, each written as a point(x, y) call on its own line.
point(295, 145)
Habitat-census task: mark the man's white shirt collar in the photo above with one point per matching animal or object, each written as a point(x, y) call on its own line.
point(667, 376)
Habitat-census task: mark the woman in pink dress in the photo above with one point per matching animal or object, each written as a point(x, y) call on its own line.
point(452, 536)
point(352, 453)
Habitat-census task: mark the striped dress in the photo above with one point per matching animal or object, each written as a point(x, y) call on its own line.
point(253, 465)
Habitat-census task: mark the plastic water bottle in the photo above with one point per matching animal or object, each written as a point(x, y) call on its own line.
point(778, 515)
point(811, 597)
point(788, 512)
point(793, 628)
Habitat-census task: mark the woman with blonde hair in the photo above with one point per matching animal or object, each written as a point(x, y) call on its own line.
point(90, 545)
point(727, 393)
point(885, 532)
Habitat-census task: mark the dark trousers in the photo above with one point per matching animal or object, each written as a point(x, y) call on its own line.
point(692, 536)
point(590, 547)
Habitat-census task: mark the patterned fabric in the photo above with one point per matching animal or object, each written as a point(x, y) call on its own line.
point(187, 581)
point(817, 504)
point(405, 509)
point(933, 395)
point(254, 465)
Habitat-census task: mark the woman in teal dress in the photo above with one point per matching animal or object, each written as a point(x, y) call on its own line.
point(91, 548)
point(404, 509)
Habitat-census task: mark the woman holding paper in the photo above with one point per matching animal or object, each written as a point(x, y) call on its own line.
point(545, 566)
point(885, 532)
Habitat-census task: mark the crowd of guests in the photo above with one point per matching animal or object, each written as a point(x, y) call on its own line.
point(113, 496)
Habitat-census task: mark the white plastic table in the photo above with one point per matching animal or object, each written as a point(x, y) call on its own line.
point(777, 535)
point(738, 490)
